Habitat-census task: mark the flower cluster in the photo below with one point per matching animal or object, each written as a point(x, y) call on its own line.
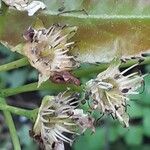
point(47, 50)
point(59, 119)
point(25, 5)
point(109, 91)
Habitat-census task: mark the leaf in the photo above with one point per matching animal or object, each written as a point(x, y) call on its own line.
point(135, 111)
point(146, 121)
point(113, 134)
point(33, 75)
point(17, 78)
point(122, 131)
point(127, 22)
point(134, 136)
point(144, 97)
point(5, 51)
point(25, 139)
point(91, 141)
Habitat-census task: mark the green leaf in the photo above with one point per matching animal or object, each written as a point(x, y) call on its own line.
point(17, 78)
point(103, 33)
point(135, 110)
point(146, 121)
point(33, 75)
point(134, 135)
point(144, 97)
point(91, 141)
point(25, 139)
point(146, 147)
point(100, 7)
point(113, 134)
point(122, 131)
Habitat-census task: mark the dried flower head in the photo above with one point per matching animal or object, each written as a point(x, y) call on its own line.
point(110, 89)
point(25, 5)
point(58, 118)
point(47, 50)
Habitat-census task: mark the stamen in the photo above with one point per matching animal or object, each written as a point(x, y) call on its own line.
point(126, 70)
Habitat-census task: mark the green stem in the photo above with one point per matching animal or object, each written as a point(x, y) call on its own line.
point(33, 87)
point(15, 64)
point(81, 72)
point(92, 69)
point(11, 126)
point(30, 114)
point(78, 72)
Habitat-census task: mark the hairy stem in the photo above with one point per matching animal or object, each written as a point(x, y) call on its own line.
point(15, 64)
point(33, 87)
point(11, 126)
point(30, 114)
point(80, 72)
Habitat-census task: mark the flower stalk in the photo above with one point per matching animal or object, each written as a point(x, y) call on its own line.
point(15, 64)
point(30, 114)
point(33, 87)
point(11, 126)
point(80, 72)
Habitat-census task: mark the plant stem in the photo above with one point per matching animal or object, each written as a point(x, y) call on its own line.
point(15, 64)
point(78, 72)
point(11, 126)
point(33, 87)
point(19, 111)
point(81, 72)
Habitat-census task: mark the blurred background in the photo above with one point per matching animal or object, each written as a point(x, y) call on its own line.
point(110, 135)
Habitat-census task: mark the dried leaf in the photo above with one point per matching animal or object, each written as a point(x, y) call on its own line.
point(111, 27)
